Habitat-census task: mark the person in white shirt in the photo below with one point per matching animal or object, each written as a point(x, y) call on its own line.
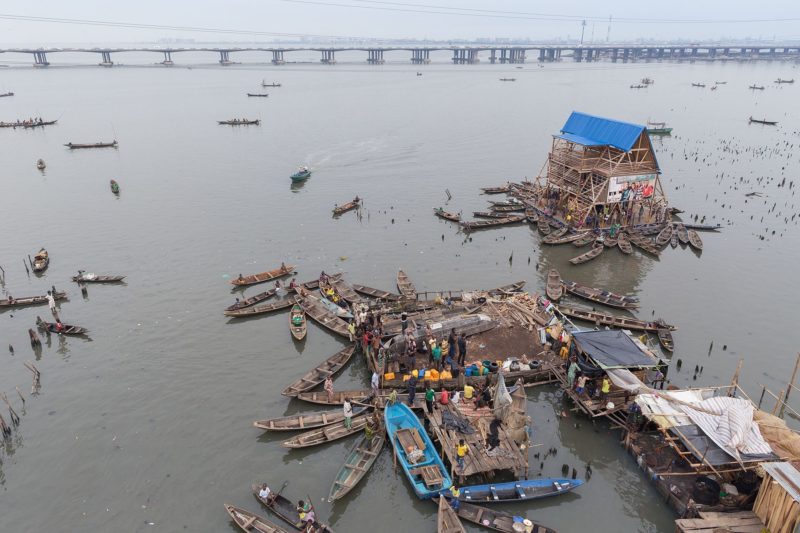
point(51, 301)
point(348, 412)
point(375, 383)
point(264, 493)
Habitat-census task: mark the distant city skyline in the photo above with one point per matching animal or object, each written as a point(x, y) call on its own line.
point(49, 22)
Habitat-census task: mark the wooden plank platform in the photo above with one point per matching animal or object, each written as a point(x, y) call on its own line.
point(739, 522)
point(477, 461)
point(590, 406)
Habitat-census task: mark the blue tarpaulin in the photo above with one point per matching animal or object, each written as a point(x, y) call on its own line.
point(589, 130)
point(612, 348)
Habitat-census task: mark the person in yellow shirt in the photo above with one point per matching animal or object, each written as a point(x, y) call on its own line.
point(468, 390)
point(564, 352)
point(453, 497)
point(462, 450)
point(606, 387)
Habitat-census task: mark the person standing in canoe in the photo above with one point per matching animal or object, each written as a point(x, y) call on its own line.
point(351, 330)
point(51, 302)
point(348, 413)
point(329, 388)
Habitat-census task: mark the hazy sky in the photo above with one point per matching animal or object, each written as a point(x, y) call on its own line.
point(442, 19)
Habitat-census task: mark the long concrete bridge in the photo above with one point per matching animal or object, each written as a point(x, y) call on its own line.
point(468, 54)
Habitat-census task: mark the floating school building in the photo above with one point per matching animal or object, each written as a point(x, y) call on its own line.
point(600, 172)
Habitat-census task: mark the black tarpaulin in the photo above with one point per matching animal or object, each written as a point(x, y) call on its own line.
point(612, 348)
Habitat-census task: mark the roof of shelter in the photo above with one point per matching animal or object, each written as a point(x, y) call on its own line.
point(613, 348)
point(589, 130)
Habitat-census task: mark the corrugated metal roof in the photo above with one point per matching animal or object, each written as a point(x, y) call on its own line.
point(599, 131)
point(787, 476)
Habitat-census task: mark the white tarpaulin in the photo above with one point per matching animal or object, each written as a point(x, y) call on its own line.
point(728, 422)
point(502, 399)
point(625, 379)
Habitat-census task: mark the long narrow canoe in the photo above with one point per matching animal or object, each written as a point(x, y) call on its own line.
point(624, 244)
point(404, 285)
point(664, 236)
point(68, 330)
point(694, 240)
point(610, 241)
point(665, 339)
point(683, 233)
point(447, 521)
point(339, 209)
point(320, 314)
point(507, 289)
point(441, 213)
point(328, 433)
point(493, 519)
point(94, 278)
point(555, 235)
point(283, 508)
point(355, 467)
point(518, 491)
point(492, 222)
point(607, 319)
point(554, 288)
point(488, 214)
point(428, 475)
point(588, 256)
point(251, 522)
point(496, 190)
point(565, 238)
point(31, 300)
point(585, 239)
point(297, 322)
point(376, 293)
point(253, 300)
point(346, 291)
point(508, 208)
point(601, 296)
point(261, 309)
point(76, 146)
point(244, 281)
point(513, 202)
point(239, 122)
point(305, 421)
point(329, 367)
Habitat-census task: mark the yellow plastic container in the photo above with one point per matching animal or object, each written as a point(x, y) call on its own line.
point(388, 376)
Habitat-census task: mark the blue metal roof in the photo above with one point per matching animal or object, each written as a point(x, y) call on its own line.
point(589, 130)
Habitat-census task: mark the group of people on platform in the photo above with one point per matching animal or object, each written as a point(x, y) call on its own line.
point(633, 207)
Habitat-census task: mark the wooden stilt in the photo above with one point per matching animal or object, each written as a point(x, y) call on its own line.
point(790, 385)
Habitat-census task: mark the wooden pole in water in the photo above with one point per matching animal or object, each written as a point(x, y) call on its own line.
point(791, 384)
point(778, 402)
point(763, 390)
point(735, 378)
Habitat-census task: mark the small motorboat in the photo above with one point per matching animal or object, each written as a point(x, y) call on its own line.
point(302, 174)
point(40, 164)
point(114, 187)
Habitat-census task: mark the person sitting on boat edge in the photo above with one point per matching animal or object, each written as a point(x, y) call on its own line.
point(59, 326)
point(10, 300)
point(265, 493)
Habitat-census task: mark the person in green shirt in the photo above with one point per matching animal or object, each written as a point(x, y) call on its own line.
point(436, 354)
point(429, 396)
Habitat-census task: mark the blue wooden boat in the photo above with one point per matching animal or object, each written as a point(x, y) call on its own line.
point(518, 491)
point(415, 452)
point(302, 174)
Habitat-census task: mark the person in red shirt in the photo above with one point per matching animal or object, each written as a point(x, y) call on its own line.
point(444, 399)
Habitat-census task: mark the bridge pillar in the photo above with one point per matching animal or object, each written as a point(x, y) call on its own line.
point(726, 51)
point(504, 55)
point(277, 57)
point(517, 55)
point(493, 56)
point(224, 58)
point(579, 54)
point(40, 59)
point(626, 52)
point(328, 57)
point(167, 58)
point(375, 56)
point(614, 54)
point(695, 51)
point(542, 55)
point(712, 53)
point(106, 59)
point(472, 56)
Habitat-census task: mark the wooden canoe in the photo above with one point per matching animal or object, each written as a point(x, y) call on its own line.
point(447, 521)
point(297, 322)
point(251, 522)
point(261, 309)
point(352, 204)
point(328, 433)
point(260, 95)
point(68, 330)
point(624, 244)
point(40, 261)
point(544, 226)
point(518, 491)
point(673, 241)
point(683, 233)
point(319, 313)
point(607, 319)
point(694, 240)
point(244, 281)
point(345, 290)
point(664, 236)
point(305, 421)
point(314, 377)
point(644, 243)
point(93, 278)
point(355, 467)
point(492, 222)
point(239, 122)
point(488, 214)
point(585, 239)
point(610, 241)
point(588, 256)
point(441, 213)
point(665, 339)
point(601, 296)
point(513, 202)
point(284, 509)
point(565, 239)
point(405, 286)
point(31, 300)
point(74, 146)
point(507, 289)
point(508, 208)
point(532, 216)
point(496, 190)
point(555, 235)
point(321, 397)
point(253, 300)
point(376, 293)
point(554, 289)
point(494, 519)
